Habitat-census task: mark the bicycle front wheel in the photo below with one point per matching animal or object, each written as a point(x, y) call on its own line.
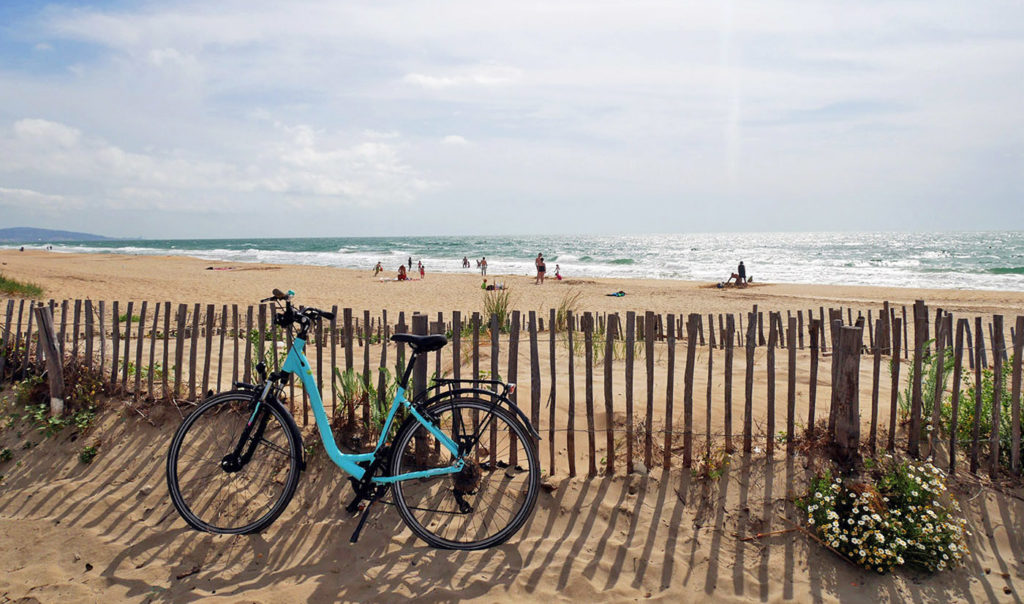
point(490, 499)
point(215, 489)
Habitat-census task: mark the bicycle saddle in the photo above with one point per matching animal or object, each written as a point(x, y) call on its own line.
point(421, 343)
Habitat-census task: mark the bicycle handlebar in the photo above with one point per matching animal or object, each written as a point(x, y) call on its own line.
point(303, 316)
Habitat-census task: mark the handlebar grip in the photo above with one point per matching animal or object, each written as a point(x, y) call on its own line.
point(327, 315)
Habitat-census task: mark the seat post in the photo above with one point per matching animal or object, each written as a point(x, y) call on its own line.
point(409, 367)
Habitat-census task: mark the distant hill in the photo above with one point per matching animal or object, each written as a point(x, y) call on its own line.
point(31, 235)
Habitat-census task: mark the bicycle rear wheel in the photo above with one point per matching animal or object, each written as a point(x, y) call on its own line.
point(218, 492)
point(485, 503)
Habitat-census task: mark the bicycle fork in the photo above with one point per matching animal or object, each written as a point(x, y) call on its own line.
point(237, 459)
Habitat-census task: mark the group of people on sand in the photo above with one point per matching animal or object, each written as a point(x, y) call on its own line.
point(403, 274)
point(542, 270)
point(739, 278)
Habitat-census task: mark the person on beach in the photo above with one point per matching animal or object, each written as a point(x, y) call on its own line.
point(465, 262)
point(422, 272)
point(558, 272)
point(541, 269)
point(402, 275)
point(483, 266)
point(410, 261)
point(378, 269)
point(739, 277)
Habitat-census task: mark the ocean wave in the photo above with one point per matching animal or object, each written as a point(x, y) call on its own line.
point(1007, 270)
point(965, 261)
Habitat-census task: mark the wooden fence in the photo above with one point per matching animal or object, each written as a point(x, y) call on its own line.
point(183, 352)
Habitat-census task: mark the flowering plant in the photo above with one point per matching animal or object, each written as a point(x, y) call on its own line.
point(905, 518)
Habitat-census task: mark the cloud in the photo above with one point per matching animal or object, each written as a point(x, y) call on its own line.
point(485, 76)
point(454, 139)
point(46, 133)
point(361, 170)
point(11, 197)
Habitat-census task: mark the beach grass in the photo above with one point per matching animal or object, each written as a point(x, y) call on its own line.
point(13, 287)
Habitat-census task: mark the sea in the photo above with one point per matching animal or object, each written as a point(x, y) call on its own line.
point(992, 260)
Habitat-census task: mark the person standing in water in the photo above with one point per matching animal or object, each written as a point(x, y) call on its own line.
point(483, 266)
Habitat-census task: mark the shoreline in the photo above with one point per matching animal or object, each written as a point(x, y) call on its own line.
point(67, 275)
point(968, 261)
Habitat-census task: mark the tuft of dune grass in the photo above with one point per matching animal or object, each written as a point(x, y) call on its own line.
point(13, 287)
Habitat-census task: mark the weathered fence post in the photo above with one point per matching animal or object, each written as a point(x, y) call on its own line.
point(730, 330)
point(941, 327)
point(895, 385)
point(998, 346)
point(588, 344)
point(611, 330)
point(140, 340)
point(5, 337)
point(167, 348)
point(958, 358)
point(920, 331)
point(534, 369)
point(1015, 388)
point(979, 345)
point(552, 334)
point(773, 341)
point(846, 437)
point(691, 353)
point(419, 327)
point(748, 403)
point(876, 350)
point(115, 338)
point(814, 327)
point(54, 369)
point(670, 387)
point(791, 338)
point(570, 428)
point(630, 339)
point(649, 335)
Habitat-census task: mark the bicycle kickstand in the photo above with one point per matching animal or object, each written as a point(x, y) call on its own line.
point(363, 516)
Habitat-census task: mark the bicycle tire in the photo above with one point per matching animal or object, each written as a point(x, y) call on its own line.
point(214, 500)
point(430, 507)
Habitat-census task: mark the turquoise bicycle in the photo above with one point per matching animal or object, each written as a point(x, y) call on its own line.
point(462, 469)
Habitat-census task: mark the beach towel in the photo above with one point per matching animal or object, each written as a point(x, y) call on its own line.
point(617, 294)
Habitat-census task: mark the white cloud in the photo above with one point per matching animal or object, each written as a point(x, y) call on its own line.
point(10, 196)
point(485, 76)
point(363, 170)
point(46, 133)
point(454, 139)
point(163, 56)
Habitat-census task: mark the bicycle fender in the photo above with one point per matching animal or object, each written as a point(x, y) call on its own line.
point(483, 393)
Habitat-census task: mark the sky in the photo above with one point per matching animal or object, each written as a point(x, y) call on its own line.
point(252, 118)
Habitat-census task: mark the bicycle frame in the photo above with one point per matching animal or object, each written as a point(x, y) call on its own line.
point(297, 364)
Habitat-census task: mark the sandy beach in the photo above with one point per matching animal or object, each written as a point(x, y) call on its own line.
point(184, 279)
point(657, 535)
